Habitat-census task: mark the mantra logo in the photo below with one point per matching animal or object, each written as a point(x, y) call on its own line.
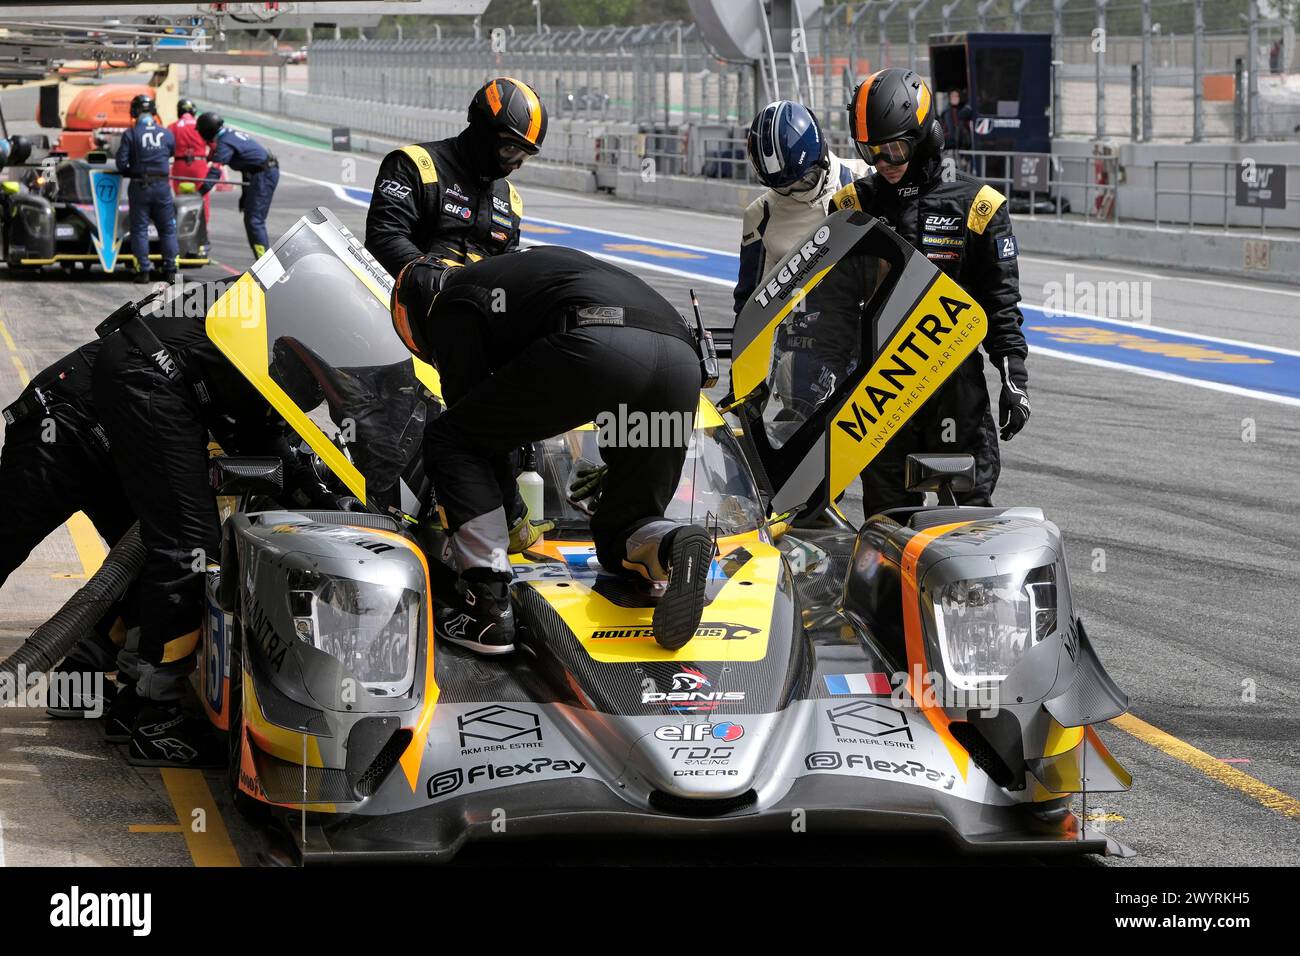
point(686, 733)
point(449, 781)
point(907, 360)
point(795, 269)
point(912, 769)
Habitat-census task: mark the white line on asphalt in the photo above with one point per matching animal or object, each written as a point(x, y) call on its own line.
point(1129, 324)
point(1167, 376)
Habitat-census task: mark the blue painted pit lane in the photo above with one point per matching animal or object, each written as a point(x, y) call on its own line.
point(1222, 364)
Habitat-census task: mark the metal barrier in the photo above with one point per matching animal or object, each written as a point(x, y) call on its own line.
point(1198, 182)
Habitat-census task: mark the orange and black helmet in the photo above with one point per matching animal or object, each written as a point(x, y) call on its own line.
point(891, 118)
point(508, 108)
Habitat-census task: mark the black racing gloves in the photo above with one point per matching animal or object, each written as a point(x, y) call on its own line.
point(1013, 405)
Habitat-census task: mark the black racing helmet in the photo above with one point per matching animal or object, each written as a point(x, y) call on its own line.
point(208, 124)
point(142, 103)
point(185, 105)
point(506, 113)
point(891, 118)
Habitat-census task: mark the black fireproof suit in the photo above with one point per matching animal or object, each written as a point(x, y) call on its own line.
point(536, 343)
point(963, 228)
point(439, 199)
point(55, 462)
point(159, 432)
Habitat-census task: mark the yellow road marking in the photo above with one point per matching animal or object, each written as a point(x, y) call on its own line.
point(189, 792)
point(90, 548)
point(22, 372)
point(9, 339)
point(1212, 767)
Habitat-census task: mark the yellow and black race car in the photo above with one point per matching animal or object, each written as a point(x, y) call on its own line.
point(926, 671)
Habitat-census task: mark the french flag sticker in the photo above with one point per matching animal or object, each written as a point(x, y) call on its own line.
point(875, 684)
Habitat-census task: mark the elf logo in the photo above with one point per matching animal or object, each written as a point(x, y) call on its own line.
point(693, 733)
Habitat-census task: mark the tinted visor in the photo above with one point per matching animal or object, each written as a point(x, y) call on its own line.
point(808, 180)
point(896, 152)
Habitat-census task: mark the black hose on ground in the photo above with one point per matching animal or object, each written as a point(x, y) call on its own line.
point(52, 641)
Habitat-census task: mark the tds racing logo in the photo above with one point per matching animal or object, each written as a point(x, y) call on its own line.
point(394, 189)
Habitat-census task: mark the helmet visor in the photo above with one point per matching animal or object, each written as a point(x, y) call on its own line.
point(894, 153)
point(809, 180)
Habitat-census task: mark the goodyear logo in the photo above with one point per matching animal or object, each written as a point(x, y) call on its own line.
point(943, 329)
point(794, 269)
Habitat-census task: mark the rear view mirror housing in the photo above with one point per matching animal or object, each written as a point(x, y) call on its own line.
point(944, 474)
point(243, 476)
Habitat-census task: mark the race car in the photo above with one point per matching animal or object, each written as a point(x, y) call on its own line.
point(68, 206)
point(927, 671)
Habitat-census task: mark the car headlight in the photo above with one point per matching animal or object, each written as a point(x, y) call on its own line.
point(985, 625)
point(371, 629)
point(37, 220)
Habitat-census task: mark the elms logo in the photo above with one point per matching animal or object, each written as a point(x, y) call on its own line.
point(75, 909)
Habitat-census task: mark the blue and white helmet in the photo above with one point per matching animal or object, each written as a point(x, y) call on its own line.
point(786, 145)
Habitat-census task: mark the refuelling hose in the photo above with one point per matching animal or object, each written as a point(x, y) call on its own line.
point(52, 641)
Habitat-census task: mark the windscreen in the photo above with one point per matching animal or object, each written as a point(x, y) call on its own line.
point(716, 486)
point(817, 345)
point(309, 326)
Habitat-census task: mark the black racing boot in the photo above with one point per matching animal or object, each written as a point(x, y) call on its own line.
point(78, 689)
point(163, 736)
point(687, 553)
point(141, 278)
point(482, 620)
point(120, 716)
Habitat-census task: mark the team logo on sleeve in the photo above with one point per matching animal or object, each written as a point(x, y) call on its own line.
point(1008, 248)
point(394, 189)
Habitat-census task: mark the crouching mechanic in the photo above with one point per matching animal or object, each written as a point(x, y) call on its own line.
point(56, 462)
point(162, 387)
point(790, 156)
point(493, 331)
point(962, 226)
point(258, 166)
point(145, 155)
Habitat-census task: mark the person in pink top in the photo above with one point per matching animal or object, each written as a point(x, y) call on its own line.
point(191, 161)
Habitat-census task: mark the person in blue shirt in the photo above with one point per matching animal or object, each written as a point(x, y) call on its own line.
point(144, 156)
point(260, 169)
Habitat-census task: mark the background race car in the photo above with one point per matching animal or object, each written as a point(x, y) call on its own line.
point(52, 217)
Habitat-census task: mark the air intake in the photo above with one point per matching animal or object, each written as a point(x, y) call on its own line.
point(696, 807)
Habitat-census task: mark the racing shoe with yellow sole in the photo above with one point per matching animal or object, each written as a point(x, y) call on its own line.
point(687, 553)
point(164, 736)
point(482, 619)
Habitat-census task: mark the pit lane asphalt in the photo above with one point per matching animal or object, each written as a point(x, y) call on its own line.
point(1180, 537)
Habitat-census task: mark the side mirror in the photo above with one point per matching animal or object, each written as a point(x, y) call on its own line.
point(243, 476)
point(944, 474)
